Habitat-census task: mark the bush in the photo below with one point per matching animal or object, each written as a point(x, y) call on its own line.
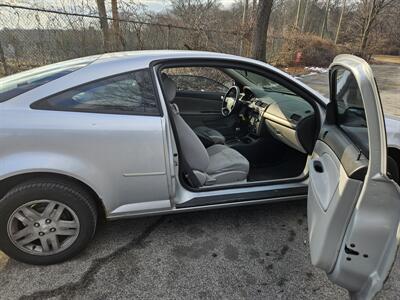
point(314, 50)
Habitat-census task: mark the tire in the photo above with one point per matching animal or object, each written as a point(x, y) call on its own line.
point(59, 215)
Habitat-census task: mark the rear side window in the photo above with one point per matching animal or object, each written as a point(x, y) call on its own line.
point(17, 84)
point(130, 93)
point(350, 109)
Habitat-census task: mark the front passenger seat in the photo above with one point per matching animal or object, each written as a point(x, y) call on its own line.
point(217, 164)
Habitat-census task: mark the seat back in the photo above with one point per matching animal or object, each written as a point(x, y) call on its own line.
point(195, 154)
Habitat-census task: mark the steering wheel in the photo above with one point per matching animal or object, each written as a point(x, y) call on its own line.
point(229, 101)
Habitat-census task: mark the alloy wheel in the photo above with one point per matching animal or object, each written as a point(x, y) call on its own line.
point(43, 227)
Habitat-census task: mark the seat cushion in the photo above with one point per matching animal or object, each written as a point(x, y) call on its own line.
point(226, 165)
point(208, 133)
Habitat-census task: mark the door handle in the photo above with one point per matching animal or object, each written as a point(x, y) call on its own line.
point(318, 167)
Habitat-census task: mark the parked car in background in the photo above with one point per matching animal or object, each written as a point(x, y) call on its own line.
point(141, 133)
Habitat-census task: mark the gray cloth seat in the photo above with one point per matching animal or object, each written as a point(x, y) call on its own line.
point(209, 135)
point(217, 164)
point(226, 164)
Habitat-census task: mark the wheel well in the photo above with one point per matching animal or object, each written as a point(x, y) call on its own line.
point(395, 154)
point(8, 183)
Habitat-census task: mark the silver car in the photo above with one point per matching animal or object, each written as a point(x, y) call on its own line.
point(155, 132)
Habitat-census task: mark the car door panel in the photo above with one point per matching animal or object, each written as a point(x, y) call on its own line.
point(199, 97)
point(335, 195)
point(354, 162)
point(198, 103)
point(353, 206)
point(204, 109)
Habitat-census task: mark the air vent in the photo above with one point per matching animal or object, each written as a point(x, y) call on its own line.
point(295, 117)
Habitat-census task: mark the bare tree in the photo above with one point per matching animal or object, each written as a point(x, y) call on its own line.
point(104, 25)
point(340, 21)
point(298, 13)
point(259, 43)
point(3, 60)
point(370, 9)
point(119, 41)
point(305, 15)
point(244, 23)
point(254, 8)
point(200, 15)
point(32, 37)
point(324, 24)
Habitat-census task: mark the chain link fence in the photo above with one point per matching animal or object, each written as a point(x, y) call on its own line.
point(31, 37)
point(34, 37)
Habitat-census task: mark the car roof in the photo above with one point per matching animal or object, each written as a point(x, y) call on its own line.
point(147, 56)
point(119, 62)
point(110, 64)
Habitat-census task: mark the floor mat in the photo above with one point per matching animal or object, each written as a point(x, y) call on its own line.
point(291, 165)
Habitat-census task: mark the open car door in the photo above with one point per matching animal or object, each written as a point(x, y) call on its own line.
point(353, 205)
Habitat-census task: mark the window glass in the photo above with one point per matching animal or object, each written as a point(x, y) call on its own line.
point(350, 108)
point(130, 92)
point(263, 82)
point(17, 84)
point(200, 79)
point(272, 91)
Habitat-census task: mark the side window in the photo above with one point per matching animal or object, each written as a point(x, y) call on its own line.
point(200, 79)
point(350, 109)
point(17, 84)
point(130, 93)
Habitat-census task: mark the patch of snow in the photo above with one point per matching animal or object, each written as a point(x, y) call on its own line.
point(308, 74)
point(316, 69)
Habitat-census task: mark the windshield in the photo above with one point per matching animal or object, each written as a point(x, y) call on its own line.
point(263, 82)
point(17, 84)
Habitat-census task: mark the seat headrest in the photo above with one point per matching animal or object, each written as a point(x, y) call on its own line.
point(169, 88)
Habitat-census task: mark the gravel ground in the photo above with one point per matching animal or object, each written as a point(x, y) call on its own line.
point(257, 252)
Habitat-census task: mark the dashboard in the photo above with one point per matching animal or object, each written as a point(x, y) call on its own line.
point(286, 116)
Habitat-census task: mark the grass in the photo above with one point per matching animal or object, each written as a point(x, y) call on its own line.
point(296, 71)
point(387, 59)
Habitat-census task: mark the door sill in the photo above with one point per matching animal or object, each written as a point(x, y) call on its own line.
point(292, 192)
point(296, 179)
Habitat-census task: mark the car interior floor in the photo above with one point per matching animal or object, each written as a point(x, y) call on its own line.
point(286, 163)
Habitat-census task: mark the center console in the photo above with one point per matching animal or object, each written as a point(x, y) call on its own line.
point(249, 145)
point(256, 117)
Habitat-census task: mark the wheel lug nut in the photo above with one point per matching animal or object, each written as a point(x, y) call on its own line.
point(48, 221)
point(52, 229)
point(36, 224)
point(41, 233)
